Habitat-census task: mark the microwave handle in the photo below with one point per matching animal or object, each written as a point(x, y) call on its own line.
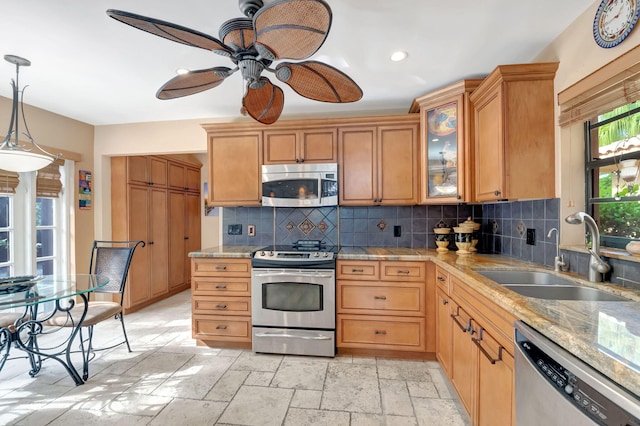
point(266, 274)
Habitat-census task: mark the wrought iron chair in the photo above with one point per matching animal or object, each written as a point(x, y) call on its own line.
point(113, 259)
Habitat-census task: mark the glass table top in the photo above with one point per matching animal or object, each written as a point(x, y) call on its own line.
point(26, 291)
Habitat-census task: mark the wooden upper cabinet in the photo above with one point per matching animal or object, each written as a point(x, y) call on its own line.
point(398, 164)
point(234, 168)
point(379, 164)
point(145, 170)
point(446, 143)
point(514, 133)
point(300, 146)
point(357, 162)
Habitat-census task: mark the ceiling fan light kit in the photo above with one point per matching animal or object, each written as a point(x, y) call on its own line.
point(284, 29)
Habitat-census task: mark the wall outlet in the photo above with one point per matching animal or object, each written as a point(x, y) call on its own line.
point(397, 230)
point(251, 230)
point(531, 236)
point(235, 229)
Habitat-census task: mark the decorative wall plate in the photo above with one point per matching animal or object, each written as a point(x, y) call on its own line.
point(614, 20)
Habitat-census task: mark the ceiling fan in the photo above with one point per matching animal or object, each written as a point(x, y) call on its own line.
point(284, 29)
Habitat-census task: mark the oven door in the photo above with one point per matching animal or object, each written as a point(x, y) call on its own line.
point(293, 298)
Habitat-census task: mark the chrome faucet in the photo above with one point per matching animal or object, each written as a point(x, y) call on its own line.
point(597, 266)
point(559, 264)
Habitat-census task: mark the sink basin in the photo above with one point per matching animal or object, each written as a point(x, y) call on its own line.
point(526, 277)
point(565, 292)
point(545, 285)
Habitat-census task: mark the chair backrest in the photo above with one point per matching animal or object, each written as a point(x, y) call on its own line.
point(113, 258)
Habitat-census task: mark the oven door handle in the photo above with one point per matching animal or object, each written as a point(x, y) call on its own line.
point(293, 274)
point(293, 336)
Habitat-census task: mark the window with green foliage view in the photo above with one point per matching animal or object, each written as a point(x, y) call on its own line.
point(612, 162)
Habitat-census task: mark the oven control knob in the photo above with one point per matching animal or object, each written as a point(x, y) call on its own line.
point(270, 253)
point(568, 389)
point(316, 254)
point(261, 254)
point(326, 255)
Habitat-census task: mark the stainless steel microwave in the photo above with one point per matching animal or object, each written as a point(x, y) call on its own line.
point(300, 185)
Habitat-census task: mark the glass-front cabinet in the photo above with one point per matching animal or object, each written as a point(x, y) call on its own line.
point(446, 132)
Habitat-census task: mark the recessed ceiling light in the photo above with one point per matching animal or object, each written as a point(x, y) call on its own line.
point(182, 71)
point(398, 56)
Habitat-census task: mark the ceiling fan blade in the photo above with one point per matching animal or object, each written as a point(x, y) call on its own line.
point(265, 103)
point(193, 82)
point(292, 29)
point(170, 31)
point(319, 81)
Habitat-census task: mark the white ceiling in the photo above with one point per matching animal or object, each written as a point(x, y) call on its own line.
point(92, 68)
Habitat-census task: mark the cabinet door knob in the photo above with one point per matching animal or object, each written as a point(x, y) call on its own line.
point(445, 301)
point(150, 243)
point(458, 197)
point(496, 193)
point(441, 279)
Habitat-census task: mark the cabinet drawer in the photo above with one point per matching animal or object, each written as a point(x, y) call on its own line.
point(393, 333)
point(221, 267)
point(442, 279)
point(211, 327)
point(221, 305)
point(213, 286)
point(381, 298)
point(402, 271)
point(358, 270)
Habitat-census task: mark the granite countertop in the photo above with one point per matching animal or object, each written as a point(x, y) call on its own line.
point(605, 335)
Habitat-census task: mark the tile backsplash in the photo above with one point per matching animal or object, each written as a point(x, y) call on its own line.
point(503, 229)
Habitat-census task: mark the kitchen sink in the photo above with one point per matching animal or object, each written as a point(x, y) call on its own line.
point(526, 277)
point(565, 292)
point(545, 285)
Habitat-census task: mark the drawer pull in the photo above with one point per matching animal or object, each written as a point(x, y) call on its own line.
point(221, 268)
point(221, 306)
point(382, 332)
point(464, 328)
point(403, 271)
point(221, 327)
point(221, 287)
point(380, 297)
point(357, 270)
point(478, 342)
point(441, 279)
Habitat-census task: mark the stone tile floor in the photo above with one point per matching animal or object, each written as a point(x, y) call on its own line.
point(168, 380)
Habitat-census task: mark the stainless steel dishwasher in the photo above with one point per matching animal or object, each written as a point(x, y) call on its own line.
point(553, 387)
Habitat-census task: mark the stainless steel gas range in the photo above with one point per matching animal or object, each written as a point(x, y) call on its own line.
point(293, 293)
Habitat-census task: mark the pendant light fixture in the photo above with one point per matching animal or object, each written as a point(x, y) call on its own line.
point(14, 155)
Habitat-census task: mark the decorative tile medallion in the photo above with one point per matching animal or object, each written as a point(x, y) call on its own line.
point(322, 226)
point(290, 226)
point(381, 225)
point(521, 228)
point(306, 226)
point(494, 226)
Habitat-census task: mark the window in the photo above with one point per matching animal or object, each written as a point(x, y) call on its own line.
point(612, 161)
point(34, 221)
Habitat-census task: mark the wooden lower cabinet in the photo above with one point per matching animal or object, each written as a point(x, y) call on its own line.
point(381, 306)
point(221, 301)
point(477, 335)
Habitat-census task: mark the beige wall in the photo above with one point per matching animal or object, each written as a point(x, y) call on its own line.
point(56, 131)
point(579, 56)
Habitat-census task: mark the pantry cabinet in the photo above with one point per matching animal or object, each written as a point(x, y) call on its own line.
point(378, 165)
point(221, 301)
point(515, 133)
point(314, 145)
point(446, 143)
point(142, 208)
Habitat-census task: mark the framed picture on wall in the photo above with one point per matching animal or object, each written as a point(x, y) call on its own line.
point(84, 189)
